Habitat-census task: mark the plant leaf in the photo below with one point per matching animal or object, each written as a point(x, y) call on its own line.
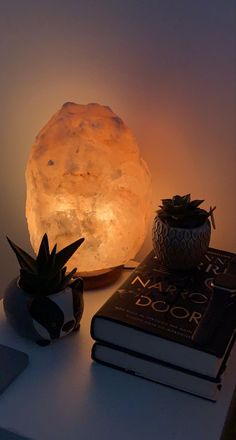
point(46, 243)
point(43, 253)
point(63, 271)
point(54, 250)
point(166, 201)
point(52, 259)
point(187, 198)
point(25, 260)
point(51, 285)
point(67, 278)
point(65, 254)
point(196, 203)
point(28, 281)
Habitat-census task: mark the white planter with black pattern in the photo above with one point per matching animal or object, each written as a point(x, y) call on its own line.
point(44, 318)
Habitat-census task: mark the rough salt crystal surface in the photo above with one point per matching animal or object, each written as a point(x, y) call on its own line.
point(85, 178)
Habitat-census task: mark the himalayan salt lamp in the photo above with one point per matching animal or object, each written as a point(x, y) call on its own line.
point(85, 178)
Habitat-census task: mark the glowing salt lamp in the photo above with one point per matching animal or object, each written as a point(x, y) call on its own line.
point(85, 178)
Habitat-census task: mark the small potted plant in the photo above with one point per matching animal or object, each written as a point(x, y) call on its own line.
point(45, 302)
point(181, 232)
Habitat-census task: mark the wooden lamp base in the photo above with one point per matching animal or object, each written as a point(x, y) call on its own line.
point(100, 279)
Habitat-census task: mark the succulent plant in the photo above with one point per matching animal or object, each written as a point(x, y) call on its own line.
point(182, 212)
point(47, 273)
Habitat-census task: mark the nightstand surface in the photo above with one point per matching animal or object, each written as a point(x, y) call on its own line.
point(63, 395)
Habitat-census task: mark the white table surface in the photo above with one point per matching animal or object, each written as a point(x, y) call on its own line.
point(63, 395)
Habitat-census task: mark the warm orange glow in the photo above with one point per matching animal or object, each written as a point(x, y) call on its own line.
point(85, 177)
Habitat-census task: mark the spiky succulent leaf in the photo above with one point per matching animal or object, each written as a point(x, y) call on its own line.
point(53, 253)
point(28, 281)
point(63, 271)
point(180, 211)
point(47, 273)
point(166, 202)
point(25, 260)
point(52, 260)
point(43, 253)
point(54, 283)
point(68, 278)
point(65, 254)
point(39, 285)
point(196, 203)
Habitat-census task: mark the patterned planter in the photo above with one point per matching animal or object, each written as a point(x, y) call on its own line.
point(180, 248)
point(44, 318)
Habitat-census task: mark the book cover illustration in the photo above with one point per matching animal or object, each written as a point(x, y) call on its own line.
point(169, 304)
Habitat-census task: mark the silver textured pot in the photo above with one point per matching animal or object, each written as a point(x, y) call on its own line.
point(180, 248)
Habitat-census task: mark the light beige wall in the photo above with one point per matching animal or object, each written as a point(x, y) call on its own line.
point(167, 68)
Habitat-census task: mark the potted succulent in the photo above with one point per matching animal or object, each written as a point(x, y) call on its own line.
point(45, 302)
point(181, 232)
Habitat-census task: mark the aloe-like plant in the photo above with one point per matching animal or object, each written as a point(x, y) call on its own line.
point(46, 274)
point(182, 212)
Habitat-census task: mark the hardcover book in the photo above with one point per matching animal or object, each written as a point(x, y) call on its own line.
point(156, 312)
point(157, 371)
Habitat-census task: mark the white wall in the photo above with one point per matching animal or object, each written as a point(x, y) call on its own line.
point(166, 67)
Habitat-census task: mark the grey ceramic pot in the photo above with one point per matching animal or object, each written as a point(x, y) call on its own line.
point(44, 318)
point(180, 248)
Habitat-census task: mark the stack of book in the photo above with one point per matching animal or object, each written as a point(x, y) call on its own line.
point(147, 326)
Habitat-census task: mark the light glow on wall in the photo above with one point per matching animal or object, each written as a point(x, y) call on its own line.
point(167, 67)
